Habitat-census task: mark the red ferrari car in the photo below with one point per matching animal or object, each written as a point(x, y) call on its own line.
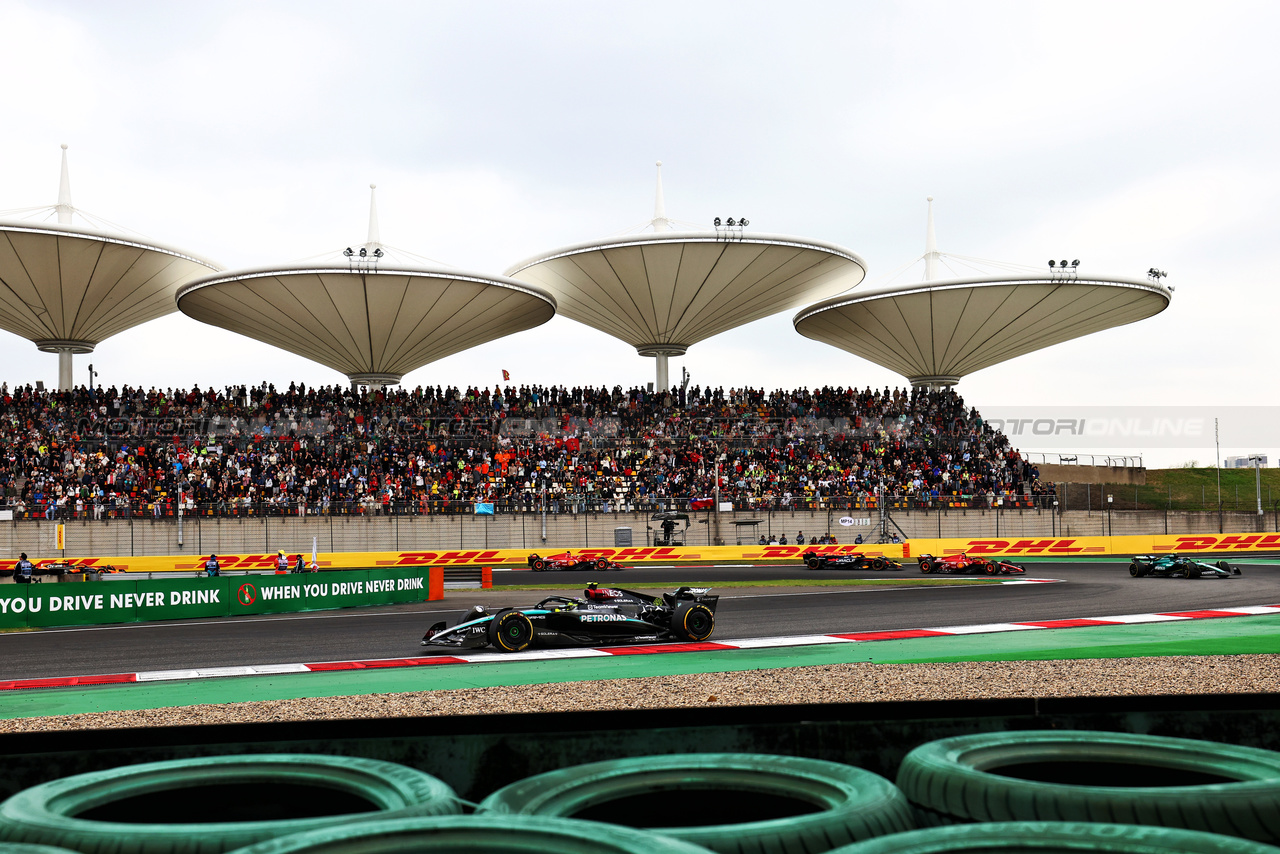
point(962, 564)
point(567, 561)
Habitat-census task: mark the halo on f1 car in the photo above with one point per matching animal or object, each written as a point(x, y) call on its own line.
point(572, 562)
point(855, 560)
point(605, 615)
point(964, 564)
point(1179, 566)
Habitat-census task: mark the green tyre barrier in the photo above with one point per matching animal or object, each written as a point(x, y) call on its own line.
point(480, 834)
point(727, 802)
point(1096, 777)
point(214, 804)
point(1046, 837)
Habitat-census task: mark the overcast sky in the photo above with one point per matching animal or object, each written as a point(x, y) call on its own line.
point(1123, 134)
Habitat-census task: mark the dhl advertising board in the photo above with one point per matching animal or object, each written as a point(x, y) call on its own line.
point(1062, 547)
point(128, 600)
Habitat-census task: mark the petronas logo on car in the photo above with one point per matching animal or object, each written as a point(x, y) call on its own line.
point(602, 618)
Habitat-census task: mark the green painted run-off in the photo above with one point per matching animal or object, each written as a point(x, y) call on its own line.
point(1223, 636)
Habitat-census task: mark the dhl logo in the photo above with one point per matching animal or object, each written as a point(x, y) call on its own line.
point(1220, 542)
point(644, 553)
point(428, 558)
point(775, 552)
point(244, 562)
point(78, 561)
point(1030, 547)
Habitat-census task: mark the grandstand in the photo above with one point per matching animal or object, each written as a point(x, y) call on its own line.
point(129, 453)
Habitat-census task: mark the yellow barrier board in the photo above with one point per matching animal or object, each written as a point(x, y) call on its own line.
point(1083, 547)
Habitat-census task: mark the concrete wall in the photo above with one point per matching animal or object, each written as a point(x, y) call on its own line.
point(524, 531)
point(1092, 474)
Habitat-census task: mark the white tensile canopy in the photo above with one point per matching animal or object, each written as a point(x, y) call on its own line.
point(936, 332)
point(66, 287)
point(665, 291)
point(372, 324)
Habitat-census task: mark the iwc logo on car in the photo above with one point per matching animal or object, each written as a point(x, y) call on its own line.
point(602, 618)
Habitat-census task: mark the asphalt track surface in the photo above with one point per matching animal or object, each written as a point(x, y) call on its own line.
point(1086, 589)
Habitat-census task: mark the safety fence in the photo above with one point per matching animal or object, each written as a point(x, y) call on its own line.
point(333, 565)
point(1238, 493)
point(533, 532)
point(128, 600)
point(567, 503)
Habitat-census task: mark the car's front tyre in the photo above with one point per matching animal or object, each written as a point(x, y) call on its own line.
point(510, 631)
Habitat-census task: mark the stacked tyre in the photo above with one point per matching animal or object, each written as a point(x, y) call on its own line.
point(1042, 837)
point(216, 804)
point(1036, 792)
point(1112, 778)
point(476, 833)
point(725, 802)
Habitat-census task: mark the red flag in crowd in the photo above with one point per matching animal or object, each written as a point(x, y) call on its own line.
point(506, 376)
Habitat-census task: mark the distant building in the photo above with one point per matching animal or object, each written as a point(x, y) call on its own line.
point(1244, 462)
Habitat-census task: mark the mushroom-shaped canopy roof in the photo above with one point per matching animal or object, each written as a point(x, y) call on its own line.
point(77, 286)
point(666, 290)
point(938, 331)
point(364, 320)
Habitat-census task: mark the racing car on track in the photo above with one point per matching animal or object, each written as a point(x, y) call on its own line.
point(963, 564)
point(567, 561)
point(1178, 566)
point(64, 567)
point(813, 560)
point(605, 615)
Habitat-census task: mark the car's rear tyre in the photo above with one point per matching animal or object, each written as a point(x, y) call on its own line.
point(478, 834)
point(217, 803)
point(1136, 570)
point(813, 562)
point(1096, 776)
point(1051, 837)
point(539, 564)
point(926, 566)
point(697, 623)
point(726, 802)
point(510, 631)
point(1193, 572)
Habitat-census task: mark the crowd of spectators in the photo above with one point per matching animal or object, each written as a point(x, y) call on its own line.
point(111, 452)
